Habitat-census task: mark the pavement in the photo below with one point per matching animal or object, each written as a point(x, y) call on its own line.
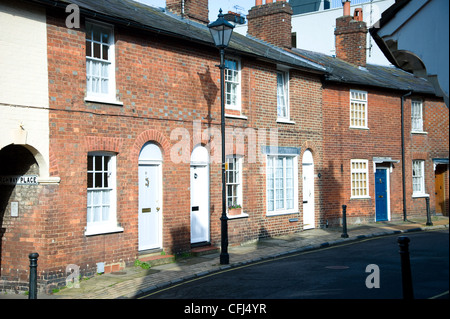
point(134, 281)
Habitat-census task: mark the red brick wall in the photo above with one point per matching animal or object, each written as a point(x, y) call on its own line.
point(382, 139)
point(163, 84)
point(428, 146)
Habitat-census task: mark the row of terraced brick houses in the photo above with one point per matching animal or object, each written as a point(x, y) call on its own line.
point(110, 134)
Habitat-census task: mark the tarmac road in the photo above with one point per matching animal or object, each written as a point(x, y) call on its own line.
point(336, 272)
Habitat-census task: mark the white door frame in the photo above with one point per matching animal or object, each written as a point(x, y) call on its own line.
point(308, 190)
point(151, 155)
point(388, 191)
point(200, 160)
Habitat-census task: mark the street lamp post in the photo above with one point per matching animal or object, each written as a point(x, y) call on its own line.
point(221, 31)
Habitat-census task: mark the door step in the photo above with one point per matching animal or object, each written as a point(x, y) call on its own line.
point(157, 259)
point(204, 250)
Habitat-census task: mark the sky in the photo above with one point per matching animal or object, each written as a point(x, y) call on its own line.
point(214, 6)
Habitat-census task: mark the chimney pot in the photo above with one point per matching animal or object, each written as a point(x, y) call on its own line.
point(347, 8)
point(358, 14)
point(258, 3)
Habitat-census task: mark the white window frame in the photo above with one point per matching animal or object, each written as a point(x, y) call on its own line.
point(417, 116)
point(359, 178)
point(234, 170)
point(358, 109)
point(233, 78)
point(283, 95)
point(271, 185)
point(110, 96)
point(109, 224)
point(418, 178)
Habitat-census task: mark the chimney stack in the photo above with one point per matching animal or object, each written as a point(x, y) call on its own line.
point(196, 10)
point(351, 36)
point(271, 22)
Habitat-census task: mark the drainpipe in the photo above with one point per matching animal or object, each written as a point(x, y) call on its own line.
point(403, 155)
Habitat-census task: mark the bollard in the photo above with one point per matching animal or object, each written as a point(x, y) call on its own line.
point(344, 222)
point(33, 275)
point(403, 242)
point(429, 222)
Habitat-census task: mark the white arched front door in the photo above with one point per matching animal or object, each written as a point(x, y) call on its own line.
point(308, 190)
point(150, 197)
point(199, 195)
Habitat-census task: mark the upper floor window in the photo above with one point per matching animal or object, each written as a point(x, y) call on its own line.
point(282, 95)
point(358, 109)
point(100, 79)
point(232, 84)
point(416, 116)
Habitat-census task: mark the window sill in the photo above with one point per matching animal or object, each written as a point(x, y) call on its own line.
point(280, 213)
point(362, 197)
point(419, 132)
point(241, 117)
point(285, 121)
point(242, 215)
point(359, 128)
point(92, 230)
point(420, 195)
point(103, 101)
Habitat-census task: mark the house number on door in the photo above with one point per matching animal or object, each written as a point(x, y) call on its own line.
point(147, 182)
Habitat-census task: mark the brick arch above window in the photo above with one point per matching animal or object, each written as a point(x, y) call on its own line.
point(99, 143)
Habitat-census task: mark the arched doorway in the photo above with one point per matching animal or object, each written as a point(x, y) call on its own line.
point(150, 197)
point(308, 190)
point(19, 196)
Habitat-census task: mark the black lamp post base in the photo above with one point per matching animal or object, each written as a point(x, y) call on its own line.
point(224, 259)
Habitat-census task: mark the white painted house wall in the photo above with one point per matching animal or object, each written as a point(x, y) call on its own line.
point(24, 94)
point(421, 28)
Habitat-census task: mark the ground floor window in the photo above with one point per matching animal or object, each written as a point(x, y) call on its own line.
point(281, 181)
point(418, 177)
point(101, 192)
point(234, 181)
point(360, 183)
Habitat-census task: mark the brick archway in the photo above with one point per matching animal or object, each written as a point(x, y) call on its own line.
point(309, 145)
point(151, 136)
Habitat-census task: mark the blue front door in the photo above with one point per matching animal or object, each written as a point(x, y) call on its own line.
point(381, 195)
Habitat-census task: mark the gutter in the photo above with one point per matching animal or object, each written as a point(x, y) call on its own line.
point(125, 22)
